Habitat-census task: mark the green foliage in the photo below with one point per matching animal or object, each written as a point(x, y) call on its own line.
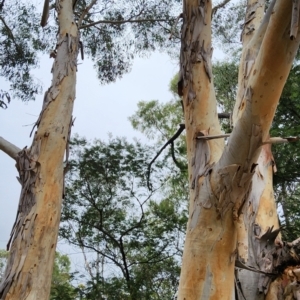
point(128, 231)
point(227, 25)
point(112, 46)
point(225, 80)
point(21, 41)
point(157, 120)
point(286, 179)
point(61, 287)
point(3, 259)
point(287, 123)
point(112, 43)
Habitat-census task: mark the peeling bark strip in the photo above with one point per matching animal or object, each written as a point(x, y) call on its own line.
point(295, 19)
point(194, 49)
point(254, 10)
point(59, 70)
point(201, 179)
point(272, 259)
point(28, 168)
point(34, 234)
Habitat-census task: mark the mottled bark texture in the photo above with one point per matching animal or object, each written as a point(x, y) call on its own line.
point(233, 248)
point(34, 234)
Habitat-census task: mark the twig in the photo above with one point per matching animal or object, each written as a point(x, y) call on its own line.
point(9, 148)
point(85, 12)
point(217, 7)
point(2, 4)
point(212, 137)
point(272, 140)
point(173, 156)
point(127, 275)
point(121, 22)
point(281, 140)
point(294, 243)
point(175, 24)
point(170, 141)
point(224, 115)
point(45, 14)
point(9, 32)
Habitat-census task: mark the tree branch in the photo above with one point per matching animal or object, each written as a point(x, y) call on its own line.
point(121, 22)
point(80, 243)
point(175, 24)
point(45, 14)
point(2, 4)
point(281, 140)
point(9, 31)
point(85, 12)
point(170, 141)
point(127, 277)
point(9, 148)
point(224, 115)
point(217, 7)
point(177, 163)
point(212, 137)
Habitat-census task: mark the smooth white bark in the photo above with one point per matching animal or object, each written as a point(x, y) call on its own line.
point(9, 148)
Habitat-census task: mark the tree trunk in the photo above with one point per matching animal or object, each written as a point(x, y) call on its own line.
point(232, 218)
point(34, 234)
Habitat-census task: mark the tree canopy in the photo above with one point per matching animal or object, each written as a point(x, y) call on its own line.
point(112, 34)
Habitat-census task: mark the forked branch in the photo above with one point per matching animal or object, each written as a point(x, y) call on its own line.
point(169, 142)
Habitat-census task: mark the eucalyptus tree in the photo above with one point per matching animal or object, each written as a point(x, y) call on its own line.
point(111, 33)
point(233, 249)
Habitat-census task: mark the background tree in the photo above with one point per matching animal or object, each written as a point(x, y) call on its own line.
point(3, 259)
point(131, 238)
point(61, 286)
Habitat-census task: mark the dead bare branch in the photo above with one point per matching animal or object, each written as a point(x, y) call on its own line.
point(9, 148)
point(281, 140)
point(170, 141)
point(9, 31)
point(121, 22)
point(212, 137)
point(217, 7)
point(175, 24)
point(45, 14)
